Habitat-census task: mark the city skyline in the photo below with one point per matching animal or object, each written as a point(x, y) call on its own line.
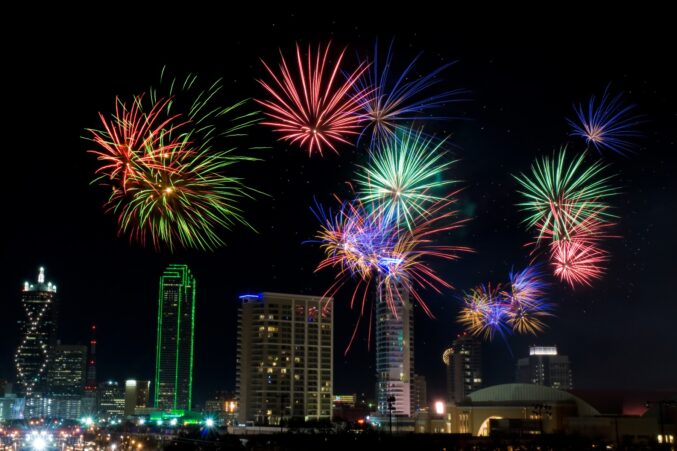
point(521, 94)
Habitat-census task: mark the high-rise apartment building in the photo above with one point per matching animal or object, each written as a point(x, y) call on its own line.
point(38, 336)
point(394, 350)
point(285, 357)
point(175, 336)
point(545, 366)
point(463, 365)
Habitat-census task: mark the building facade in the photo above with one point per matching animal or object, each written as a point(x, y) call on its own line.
point(512, 409)
point(175, 336)
point(137, 394)
point(38, 337)
point(463, 366)
point(545, 366)
point(285, 358)
point(419, 393)
point(222, 407)
point(394, 350)
point(67, 380)
point(11, 407)
point(67, 370)
point(111, 399)
point(89, 396)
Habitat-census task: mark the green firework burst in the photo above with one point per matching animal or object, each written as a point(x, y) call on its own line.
point(169, 161)
point(404, 176)
point(560, 195)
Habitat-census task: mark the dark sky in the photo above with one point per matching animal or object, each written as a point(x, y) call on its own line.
point(524, 76)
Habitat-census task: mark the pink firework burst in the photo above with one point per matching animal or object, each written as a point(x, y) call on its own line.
point(313, 106)
point(577, 262)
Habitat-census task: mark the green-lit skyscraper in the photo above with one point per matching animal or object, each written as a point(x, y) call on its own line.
point(175, 333)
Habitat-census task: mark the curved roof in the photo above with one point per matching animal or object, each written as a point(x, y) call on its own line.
point(527, 393)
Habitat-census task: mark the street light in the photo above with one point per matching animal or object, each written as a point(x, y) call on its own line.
point(39, 443)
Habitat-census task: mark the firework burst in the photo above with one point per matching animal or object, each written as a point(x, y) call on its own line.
point(402, 177)
point(312, 106)
point(519, 307)
point(353, 240)
point(168, 174)
point(576, 262)
point(579, 259)
point(414, 247)
point(483, 312)
point(526, 307)
point(607, 125)
point(558, 188)
point(361, 245)
point(398, 100)
point(131, 140)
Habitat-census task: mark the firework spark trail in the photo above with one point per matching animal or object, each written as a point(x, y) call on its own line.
point(311, 107)
point(579, 259)
point(483, 313)
point(362, 245)
point(131, 140)
point(558, 188)
point(395, 101)
point(167, 160)
point(576, 262)
point(607, 125)
point(403, 176)
point(518, 307)
point(526, 307)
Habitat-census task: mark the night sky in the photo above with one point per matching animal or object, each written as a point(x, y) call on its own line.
point(523, 77)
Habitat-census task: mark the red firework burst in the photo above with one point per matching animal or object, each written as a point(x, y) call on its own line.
point(577, 258)
point(134, 138)
point(577, 262)
point(310, 106)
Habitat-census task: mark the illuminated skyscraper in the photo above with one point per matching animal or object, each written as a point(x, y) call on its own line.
point(464, 367)
point(67, 380)
point(545, 366)
point(285, 357)
point(394, 350)
point(38, 336)
point(90, 384)
point(175, 335)
point(89, 397)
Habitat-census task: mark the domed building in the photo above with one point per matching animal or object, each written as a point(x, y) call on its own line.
point(514, 409)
